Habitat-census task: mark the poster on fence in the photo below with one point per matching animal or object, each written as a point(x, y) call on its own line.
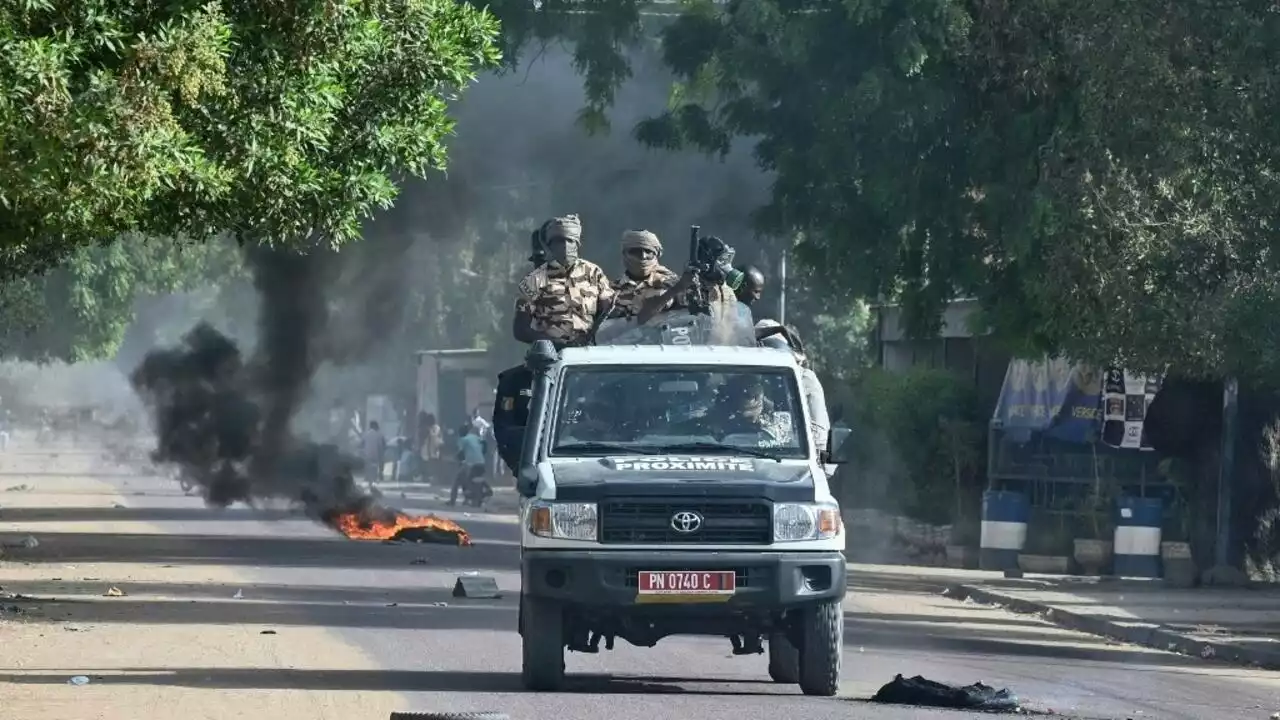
point(1125, 399)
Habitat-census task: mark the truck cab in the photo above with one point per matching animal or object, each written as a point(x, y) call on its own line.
point(674, 488)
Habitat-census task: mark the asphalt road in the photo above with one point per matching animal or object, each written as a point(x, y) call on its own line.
point(445, 654)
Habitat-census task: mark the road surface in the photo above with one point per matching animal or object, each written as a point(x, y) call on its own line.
point(241, 613)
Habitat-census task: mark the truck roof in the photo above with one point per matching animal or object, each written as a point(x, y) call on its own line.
point(676, 355)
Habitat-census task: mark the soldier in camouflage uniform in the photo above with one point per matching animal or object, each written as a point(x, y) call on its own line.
point(561, 300)
point(721, 297)
point(644, 278)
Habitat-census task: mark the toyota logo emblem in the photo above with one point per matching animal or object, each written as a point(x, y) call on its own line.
point(686, 522)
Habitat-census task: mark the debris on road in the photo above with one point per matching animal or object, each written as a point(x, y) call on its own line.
point(476, 586)
point(418, 561)
point(18, 488)
point(921, 692)
point(78, 680)
point(267, 632)
point(114, 592)
point(238, 596)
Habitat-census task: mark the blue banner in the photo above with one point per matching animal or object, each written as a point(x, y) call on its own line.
point(1057, 397)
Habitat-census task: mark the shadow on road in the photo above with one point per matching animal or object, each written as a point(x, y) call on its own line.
point(385, 680)
point(434, 608)
point(335, 552)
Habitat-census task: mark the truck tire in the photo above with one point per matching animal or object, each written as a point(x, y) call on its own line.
point(542, 640)
point(784, 659)
point(820, 656)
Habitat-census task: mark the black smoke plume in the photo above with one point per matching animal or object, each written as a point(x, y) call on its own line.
point(226, 421)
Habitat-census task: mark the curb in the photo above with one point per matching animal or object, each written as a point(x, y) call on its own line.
point(1136, 633)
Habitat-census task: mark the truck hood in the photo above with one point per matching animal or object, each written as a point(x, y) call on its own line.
point(640, 469)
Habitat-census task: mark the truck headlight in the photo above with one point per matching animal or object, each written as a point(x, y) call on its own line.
point(564, 521)
point(793, 522)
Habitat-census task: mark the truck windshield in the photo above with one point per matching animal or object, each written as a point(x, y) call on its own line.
point(604, 410)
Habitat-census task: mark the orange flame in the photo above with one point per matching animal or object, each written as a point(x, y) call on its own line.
point(359, 527)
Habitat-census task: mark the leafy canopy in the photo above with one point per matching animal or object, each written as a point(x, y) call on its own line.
point(1102, 177)
point(281, 120)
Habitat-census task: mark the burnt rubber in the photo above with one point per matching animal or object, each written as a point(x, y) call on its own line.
point(542, 642)
point(784, 659)
point(449, 716)
point(823, 634)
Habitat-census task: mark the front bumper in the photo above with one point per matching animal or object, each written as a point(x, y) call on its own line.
point(604, 579)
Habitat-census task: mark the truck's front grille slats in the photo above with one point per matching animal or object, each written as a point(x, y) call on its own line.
point(638, 521)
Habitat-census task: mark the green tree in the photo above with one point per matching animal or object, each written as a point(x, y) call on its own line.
point(1102, 178)
point(81, 309)
point(277, 121)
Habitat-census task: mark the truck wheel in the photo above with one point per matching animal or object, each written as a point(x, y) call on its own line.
point(823, 631)
point(784, 659)
point(542, 638)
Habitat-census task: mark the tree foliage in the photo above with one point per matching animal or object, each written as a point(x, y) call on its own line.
point(1103, 178)
point(280, 121)
point(81, 309)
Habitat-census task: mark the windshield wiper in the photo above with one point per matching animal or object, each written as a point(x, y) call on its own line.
point(603, 447)
point(739, 449)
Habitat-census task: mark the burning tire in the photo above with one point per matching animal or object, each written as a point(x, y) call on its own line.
point(784, 659)
point(822, 627)
point(542, 638)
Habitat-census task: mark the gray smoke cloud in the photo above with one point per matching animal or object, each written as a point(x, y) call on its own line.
point(334, 327)
point(226, 420)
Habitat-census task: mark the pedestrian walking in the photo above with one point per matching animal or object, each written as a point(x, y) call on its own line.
point(375, 451)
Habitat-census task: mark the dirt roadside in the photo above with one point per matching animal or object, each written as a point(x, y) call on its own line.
point(144, 670)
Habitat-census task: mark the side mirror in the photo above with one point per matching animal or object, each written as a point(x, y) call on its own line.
point(836, 439)
point(527, 482)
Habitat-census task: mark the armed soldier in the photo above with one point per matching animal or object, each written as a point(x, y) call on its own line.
point(644, 277)
point(710, 276)
point(562, 300)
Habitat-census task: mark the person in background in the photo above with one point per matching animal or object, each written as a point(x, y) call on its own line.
point(432, 442)
point(374, 447)
point(471, 453)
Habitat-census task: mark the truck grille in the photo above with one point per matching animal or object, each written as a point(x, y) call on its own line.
point(638, 521)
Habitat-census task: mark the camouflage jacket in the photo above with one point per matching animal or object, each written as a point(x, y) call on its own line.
point(563, 304)
point(630, 295)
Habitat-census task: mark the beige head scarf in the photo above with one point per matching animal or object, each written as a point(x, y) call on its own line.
point(639, 267)
point(568, 227)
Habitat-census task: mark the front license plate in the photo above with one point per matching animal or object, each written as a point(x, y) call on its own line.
point(656, 586)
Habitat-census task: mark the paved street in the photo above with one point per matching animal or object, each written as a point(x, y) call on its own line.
point(244, 613)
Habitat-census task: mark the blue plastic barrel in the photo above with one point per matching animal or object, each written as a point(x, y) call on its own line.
point(1137, 542)
point(1004, 529)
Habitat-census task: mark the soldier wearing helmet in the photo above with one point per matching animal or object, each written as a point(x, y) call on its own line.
point(772, 334)
point(644, 277)
point(561, 300)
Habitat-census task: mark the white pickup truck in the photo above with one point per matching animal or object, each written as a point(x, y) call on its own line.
point(673, 488)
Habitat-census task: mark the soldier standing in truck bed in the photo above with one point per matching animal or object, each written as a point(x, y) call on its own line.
point(561, 300)
point(644, 277)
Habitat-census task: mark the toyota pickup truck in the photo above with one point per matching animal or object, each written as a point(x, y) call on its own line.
point(674, 489)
